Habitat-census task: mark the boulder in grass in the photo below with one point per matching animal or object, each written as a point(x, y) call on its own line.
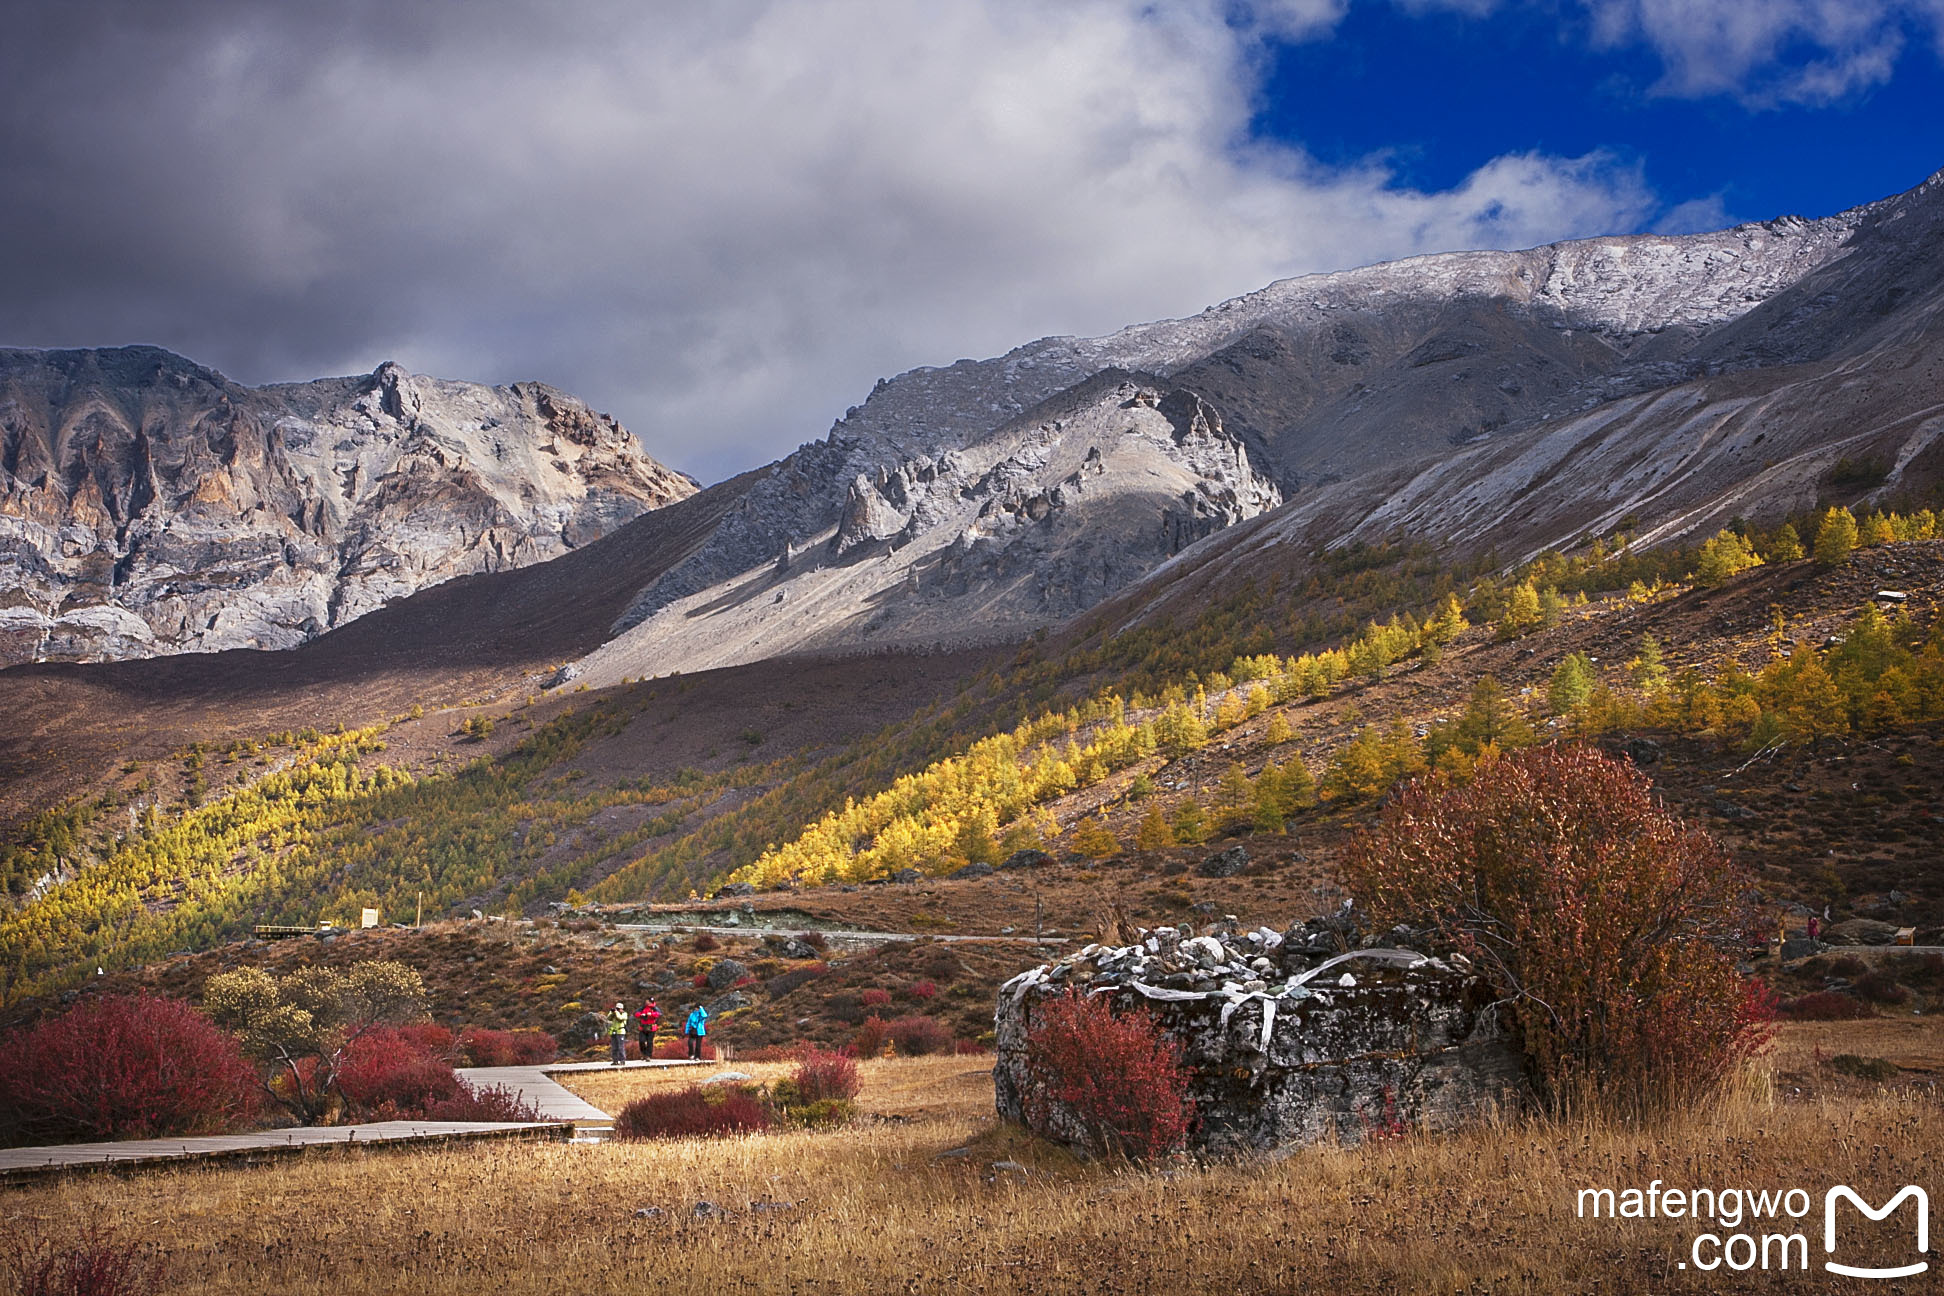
point(1224, 864)
point(1860, 931)
point(1286, 1041)
point(1027, 859)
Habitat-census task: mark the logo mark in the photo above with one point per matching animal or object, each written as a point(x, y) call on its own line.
point(1843, 1191)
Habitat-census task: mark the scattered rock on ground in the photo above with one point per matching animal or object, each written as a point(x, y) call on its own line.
point(725, 973)
point(1224, 864)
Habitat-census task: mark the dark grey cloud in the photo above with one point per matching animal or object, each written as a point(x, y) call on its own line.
point(721, 221)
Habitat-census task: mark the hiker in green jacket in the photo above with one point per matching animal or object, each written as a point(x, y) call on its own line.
point(617, 1031)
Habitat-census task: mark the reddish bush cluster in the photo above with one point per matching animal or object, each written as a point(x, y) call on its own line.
point(868, 1041)
point(487, 1103)
point(1925, 970)
point(822, 1075)
point(1116, 1077)
point(705, 942)
point(694, 1111)
point(874, 998)
point(481, 1047)
point(88, 1265)
point(1879, 988)
point(429, 1038)
point(1602, 919)
point(1826, 1005)
point(394, 1073)
point(922, 990)
point(908, 1036)
point(123, 1066)
point(387, 1074)
point(918, 1036)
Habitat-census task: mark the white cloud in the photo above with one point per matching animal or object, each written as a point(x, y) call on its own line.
point(1768, 51)
point(720, 221)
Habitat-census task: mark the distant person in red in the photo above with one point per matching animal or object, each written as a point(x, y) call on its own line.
point(1815, 928)
point(648, 1021)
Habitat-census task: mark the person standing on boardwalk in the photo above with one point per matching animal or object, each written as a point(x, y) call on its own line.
point(647, 1022)
point(617, 1032)
point(696, 1028)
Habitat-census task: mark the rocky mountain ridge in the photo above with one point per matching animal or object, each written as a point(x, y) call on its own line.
point(1025, 527)
point(148, 505)
point(1338, 388)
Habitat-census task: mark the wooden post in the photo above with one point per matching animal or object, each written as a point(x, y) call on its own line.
point(419, 920)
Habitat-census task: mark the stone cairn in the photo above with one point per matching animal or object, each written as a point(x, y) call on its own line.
point(1289, 1037)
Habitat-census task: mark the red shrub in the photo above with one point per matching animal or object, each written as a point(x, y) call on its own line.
point(705, 942)
point(123, 1066)
point(967, 1048)
point(91, 1264)
point(487, 1103)
point(814, 939)
point(1112, 1082)
point(917, 1036)
point(694, 1111)
point(675, 1047)
point(1826, 1005)
point(1879, 988)
point(820, 1075)
point(869, 1040)
point(481, 1047)
point(429, 1037)
point(1603, 921)
point(386, 1075)
point(922, 990)
point(874, 998)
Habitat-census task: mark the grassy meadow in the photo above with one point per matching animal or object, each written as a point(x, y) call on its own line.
point(875, 1208)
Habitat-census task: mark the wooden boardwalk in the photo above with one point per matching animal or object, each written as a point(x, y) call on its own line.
point(563, 1115)
point(554, 1101)
point(20, 1164)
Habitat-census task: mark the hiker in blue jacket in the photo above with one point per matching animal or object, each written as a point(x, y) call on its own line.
point(697, 1027)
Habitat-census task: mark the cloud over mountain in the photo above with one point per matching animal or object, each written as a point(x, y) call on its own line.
point(717, 221)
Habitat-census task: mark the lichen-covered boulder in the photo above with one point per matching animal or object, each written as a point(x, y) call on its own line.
point(1289, 1037)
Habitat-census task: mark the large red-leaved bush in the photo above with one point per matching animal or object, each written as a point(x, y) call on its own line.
point(1113, 1082)
point(1608, 926)
point(122, 1067)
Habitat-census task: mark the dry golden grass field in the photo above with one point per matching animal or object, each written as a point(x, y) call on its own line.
point(875, 1208)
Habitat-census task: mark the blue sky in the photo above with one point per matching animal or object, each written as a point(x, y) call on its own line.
point(1441, 93)
point(724, 221)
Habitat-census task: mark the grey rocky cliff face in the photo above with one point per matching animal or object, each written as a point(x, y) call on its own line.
point(1037, 520)
point(148, 505)
point(1289, 1039)
point(1309, 382)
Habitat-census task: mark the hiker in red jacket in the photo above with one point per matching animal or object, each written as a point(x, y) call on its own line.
point(647, 1021)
